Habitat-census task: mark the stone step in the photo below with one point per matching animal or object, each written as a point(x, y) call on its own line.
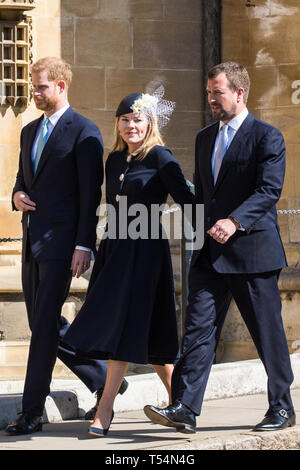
point(17, 371)
point(13, 362)
point(13, 352)
point(10, 277)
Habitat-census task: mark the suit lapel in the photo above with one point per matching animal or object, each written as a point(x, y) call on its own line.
point(232, 154)
point(57, 134)
point(28, 147)
point(209, 146)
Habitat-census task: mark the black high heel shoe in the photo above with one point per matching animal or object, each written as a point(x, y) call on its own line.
point(98, 432)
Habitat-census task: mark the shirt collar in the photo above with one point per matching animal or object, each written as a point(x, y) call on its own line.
point(237, 121)
point(56, 116)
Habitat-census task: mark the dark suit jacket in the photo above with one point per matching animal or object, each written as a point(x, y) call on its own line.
point(249, 185)
point(66, 187)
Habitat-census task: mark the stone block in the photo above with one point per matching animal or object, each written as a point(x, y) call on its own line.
point(234, 9)
point(103, 43)
point(264, 88)
point(167, 44)
point(88, 87)
point(145, 9)
point(13, 321)
point(183, 87)
point(8, 168)
point(235, 40)
point(183, 10)
point(10, 222)
point(264, 38)
point(52, 8)
point(286, 8)
point(79, 8)
point(45, 47)
point(8, 122)
point(67, 43)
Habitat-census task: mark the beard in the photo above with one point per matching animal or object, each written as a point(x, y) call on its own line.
point(220, 114)
point(45, 104)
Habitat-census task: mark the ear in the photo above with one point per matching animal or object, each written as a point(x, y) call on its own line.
point(62, 85)
point(240, 94)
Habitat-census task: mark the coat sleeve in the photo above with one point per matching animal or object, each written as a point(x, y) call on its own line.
point(269, 180)
point(174, 181)
point(89, 159)
point(19, 183)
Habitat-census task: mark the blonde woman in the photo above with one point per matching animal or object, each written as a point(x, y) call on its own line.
point(129, 313)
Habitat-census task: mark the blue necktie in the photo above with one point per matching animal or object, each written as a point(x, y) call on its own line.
point(44, 134)
point(220, 150)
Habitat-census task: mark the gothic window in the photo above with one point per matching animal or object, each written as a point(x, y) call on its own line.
point(14, 63)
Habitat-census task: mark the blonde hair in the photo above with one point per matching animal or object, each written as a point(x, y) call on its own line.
point(153, 137)
point(57, 69)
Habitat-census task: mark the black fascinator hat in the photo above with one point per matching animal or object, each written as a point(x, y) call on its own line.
point(126, 103)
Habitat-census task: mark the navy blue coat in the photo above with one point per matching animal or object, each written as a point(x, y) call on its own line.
point(129, 313)
point(66, 187)
point(248, 187)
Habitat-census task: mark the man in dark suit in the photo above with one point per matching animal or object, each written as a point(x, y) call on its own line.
point(239, 174)
point(58, 189)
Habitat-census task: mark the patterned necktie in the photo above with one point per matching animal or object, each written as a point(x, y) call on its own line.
point(220, 150)
point(44, 134)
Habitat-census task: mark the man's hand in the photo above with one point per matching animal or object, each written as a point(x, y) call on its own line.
point(223, 230)
point(23, 202)
point(80, 262)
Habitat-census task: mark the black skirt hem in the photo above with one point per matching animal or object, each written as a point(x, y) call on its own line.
point(103, 355)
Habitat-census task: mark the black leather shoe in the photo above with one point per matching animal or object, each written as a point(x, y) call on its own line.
point(25, 424)
point(176, 416)
point(277, 420)
point(90, 415)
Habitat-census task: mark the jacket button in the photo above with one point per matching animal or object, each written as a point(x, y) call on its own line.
point(128, 159)
point(121, 177)
point(117, 197)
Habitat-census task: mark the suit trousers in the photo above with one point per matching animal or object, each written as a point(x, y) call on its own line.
point(46, 285)
point(258, 300)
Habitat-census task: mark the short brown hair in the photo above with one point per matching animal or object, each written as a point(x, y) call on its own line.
point(57, 69)
point(236, 75)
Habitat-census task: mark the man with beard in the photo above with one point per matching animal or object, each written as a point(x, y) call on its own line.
point(58, 189)
point(239, 174)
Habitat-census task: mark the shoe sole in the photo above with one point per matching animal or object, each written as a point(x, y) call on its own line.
point(21, 433)
point(100, 433)
point(157, 418)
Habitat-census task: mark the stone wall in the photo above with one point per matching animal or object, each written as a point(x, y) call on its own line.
point(117, 47)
